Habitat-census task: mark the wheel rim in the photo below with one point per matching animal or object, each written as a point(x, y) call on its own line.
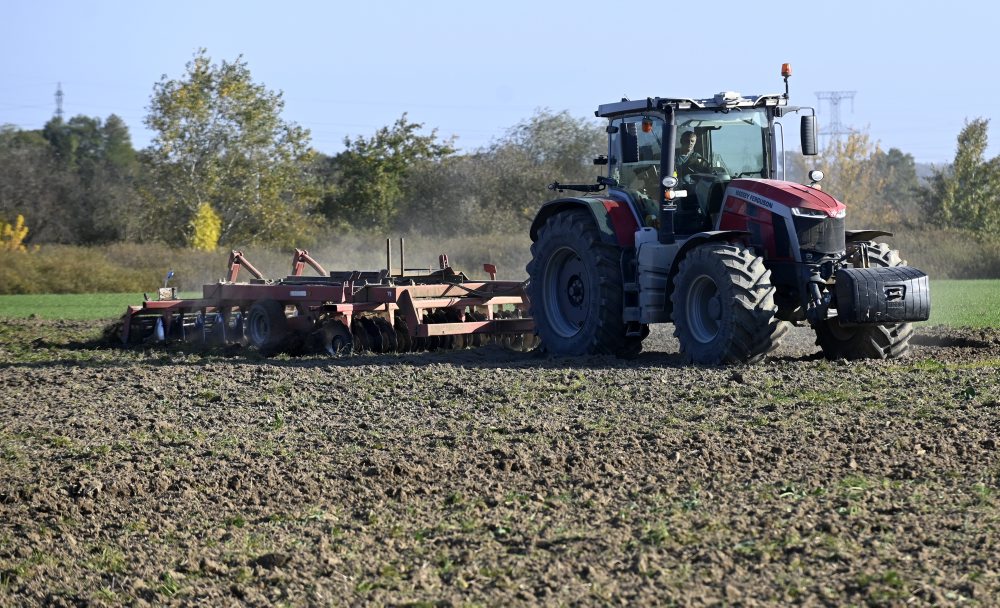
point(260, 329)
point(704, 309)
point(566, 300)
point(838, 331)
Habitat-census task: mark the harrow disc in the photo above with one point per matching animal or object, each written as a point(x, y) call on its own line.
point(477, 340)
point(371, 329)
point(362, 341)
point(404, 343)
point(337, 338)
point(388, 334)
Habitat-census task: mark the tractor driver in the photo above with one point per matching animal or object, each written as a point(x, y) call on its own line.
point(686, 159)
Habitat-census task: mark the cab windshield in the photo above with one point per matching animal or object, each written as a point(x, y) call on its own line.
point(732, 143)
point(727, 145)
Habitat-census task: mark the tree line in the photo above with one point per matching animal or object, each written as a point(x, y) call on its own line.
point(224, 169)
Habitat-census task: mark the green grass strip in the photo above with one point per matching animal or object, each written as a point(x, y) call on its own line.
point(966, 303)
point(954, 303)
point(72, 306)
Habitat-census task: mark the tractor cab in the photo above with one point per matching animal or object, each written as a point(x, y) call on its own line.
point(702, 144)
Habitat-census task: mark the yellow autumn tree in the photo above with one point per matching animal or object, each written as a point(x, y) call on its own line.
point(206, 228)
point(854, 175)
point(12, 235)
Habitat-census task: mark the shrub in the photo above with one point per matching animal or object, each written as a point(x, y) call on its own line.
point(12, 235)
point(949, 253)
point(122, 268)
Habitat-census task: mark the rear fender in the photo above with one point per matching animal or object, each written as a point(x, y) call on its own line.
point(614, 219)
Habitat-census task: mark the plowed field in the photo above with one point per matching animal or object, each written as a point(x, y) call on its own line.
point(489, 477)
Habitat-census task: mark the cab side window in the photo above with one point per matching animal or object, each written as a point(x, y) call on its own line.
point(638, 143)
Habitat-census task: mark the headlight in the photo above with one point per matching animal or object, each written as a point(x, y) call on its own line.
point(669, 182)
point(799, 211)
point(816, 175)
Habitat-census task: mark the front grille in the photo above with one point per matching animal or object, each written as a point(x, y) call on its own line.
point(825, 235)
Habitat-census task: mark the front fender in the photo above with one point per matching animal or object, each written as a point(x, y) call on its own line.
point(727, 236)
point(856, 236)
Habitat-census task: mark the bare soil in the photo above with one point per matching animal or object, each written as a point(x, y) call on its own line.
point(488, 477)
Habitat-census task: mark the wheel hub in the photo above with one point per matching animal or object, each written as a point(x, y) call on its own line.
point(575, 290)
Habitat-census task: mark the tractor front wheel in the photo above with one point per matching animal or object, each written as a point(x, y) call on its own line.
point(576, 289)
point(724, 310)
point(866, 341)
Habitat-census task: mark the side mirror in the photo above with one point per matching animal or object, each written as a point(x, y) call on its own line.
point(807, 130)
point(601, 160)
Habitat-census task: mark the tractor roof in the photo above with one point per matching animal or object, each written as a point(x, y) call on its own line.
point(722, 101)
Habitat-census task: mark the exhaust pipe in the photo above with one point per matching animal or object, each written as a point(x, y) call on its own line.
point(665, 232)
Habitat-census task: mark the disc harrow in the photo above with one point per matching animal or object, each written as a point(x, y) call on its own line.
point(339, 312)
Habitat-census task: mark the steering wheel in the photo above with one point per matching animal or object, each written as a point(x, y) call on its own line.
point(695, 163)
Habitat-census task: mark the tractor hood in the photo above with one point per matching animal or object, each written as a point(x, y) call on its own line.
point(781, 197)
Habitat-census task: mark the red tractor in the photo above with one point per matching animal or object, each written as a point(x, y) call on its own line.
point(691, 225)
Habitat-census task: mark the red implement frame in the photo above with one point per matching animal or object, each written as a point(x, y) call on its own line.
point(352, 293)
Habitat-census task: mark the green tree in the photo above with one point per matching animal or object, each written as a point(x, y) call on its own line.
point(98, 161)
point(117, 151)
point(901, 185)
point(220, 140)
point(371, 172)
point(34, 184)
point(500, 187)
point(564, 145)
point(966, 194)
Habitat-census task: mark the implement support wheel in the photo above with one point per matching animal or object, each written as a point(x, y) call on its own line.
point(267, 326)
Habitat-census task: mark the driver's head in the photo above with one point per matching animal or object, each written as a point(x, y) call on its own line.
point(688, 139)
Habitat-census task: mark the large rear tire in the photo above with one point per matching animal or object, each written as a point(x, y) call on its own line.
point(576, 289)
point(866, 341)
point(724, 310)
point(267, 326)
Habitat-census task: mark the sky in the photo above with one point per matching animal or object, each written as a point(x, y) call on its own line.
point(473, 70)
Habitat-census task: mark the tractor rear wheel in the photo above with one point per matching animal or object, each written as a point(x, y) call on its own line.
point(267, 326)
point(576, 289)
point(724, 310)
point(866, 341)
